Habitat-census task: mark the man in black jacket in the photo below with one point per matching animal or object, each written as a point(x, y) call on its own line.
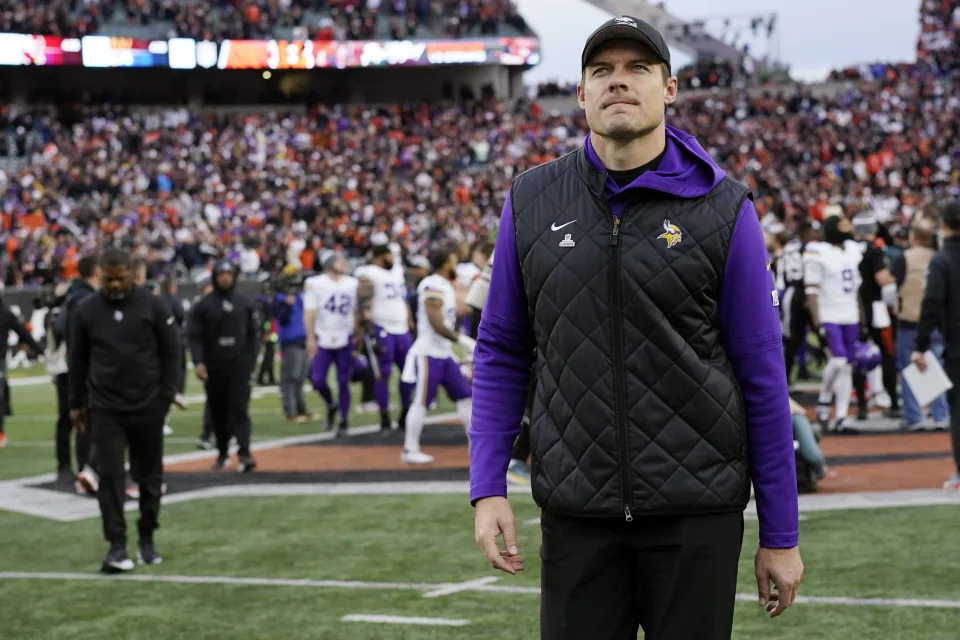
point(222, 333)
point(123, 356)
point(80, 288)
point(941, 310)
point(88, 481)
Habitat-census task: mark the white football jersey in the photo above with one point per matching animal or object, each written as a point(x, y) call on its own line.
point(836, 272)
point(429, 342)
point(467, 272)
point(388, 309)
point(335, 302)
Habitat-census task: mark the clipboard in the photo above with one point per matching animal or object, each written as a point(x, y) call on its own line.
point(927, 386)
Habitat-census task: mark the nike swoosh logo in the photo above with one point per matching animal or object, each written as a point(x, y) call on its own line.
point(554, 226)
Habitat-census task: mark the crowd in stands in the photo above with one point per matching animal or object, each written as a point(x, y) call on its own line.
point(181, 186)
point(257, 19)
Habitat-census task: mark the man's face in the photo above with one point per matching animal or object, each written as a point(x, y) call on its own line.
point(845, 226)
point(622, 91)
point(388, 261)
point(225, 280)
point(117, 282)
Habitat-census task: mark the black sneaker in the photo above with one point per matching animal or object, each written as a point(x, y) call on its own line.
point(220, 464)
point(204, 444)
point(246, 464)
point(342, 429)
point(332, 416)
point(385, 426)
point(147, 553)
point(117, 561)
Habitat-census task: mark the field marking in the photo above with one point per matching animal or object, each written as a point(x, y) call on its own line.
point(18, 496)
point(472, 586)
point(463, 586)
point(432, 622)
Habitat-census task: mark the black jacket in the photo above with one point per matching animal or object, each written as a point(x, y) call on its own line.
point(123, 355)
point(637, 406)
point(222, 331)
point(941, 301)
point(79, 289)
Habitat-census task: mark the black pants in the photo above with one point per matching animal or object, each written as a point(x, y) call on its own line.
point(952, 369)
point(228, 398)
point(64, 427)
point(266, 375)
point(798, 322)
point(143, 433)
point(673, 576)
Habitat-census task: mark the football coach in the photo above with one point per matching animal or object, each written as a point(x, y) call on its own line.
point(631, 280)
point(124, 363)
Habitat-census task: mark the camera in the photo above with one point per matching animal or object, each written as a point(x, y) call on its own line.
point(287, 284)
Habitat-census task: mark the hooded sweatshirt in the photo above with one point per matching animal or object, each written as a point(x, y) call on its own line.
point(750, 328)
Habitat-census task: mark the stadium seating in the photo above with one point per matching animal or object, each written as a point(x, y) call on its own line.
point(258, 19)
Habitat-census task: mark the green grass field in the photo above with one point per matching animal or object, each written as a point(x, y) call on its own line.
point(419, 543)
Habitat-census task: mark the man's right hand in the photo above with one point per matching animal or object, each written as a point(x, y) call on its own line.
point(201, 371)
point(77, 420)
point(493, 517)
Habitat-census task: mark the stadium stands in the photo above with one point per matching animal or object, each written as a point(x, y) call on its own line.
point(260, 19)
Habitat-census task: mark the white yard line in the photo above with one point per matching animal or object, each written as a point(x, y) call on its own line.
point(427, 589)
point(431, 622)
point(463, 586)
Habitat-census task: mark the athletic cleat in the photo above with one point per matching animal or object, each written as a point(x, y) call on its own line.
point(416, 457)
point(117, 561)
point(385, 425)
point(147, 553)
point(89, 480)
point(941, 426)
point(844, 426)
point(952, 483)
point(133, 491)
point(167, 430)
point(823, 415)
point(220, 464)
point(246, 464)
point(204, 444)
point(518, 474)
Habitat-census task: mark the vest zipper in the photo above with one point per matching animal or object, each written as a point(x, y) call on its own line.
point(618, 367)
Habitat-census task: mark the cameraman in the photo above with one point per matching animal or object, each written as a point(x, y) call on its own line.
point(287, 308)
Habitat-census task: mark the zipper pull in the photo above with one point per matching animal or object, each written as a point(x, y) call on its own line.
point(626, 512)
point(615, 240)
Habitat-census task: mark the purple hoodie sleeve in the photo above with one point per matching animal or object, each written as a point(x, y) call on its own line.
point(502, 366)
point(751, 332)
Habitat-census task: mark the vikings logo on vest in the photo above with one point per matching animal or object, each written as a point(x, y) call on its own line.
point(671, 233)
point(776, 298)
point(118, 315)
point(627, 21)
point(567, 242)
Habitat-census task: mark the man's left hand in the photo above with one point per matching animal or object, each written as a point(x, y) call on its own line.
point(782, 567)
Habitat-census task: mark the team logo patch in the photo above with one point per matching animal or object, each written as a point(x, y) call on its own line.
point(776, 298)
point(625, 20)
point(567, 241)
point(118, 315)
point(227, 306)
point(671, 233)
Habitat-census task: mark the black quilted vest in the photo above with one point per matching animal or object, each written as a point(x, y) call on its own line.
point(636, 409)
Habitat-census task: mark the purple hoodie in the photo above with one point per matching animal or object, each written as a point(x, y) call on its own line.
point(750, 330)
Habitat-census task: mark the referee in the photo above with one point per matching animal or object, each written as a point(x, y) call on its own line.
point(124, 357)
point(635, 273)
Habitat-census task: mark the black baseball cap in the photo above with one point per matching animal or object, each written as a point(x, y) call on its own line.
point(627, 28)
